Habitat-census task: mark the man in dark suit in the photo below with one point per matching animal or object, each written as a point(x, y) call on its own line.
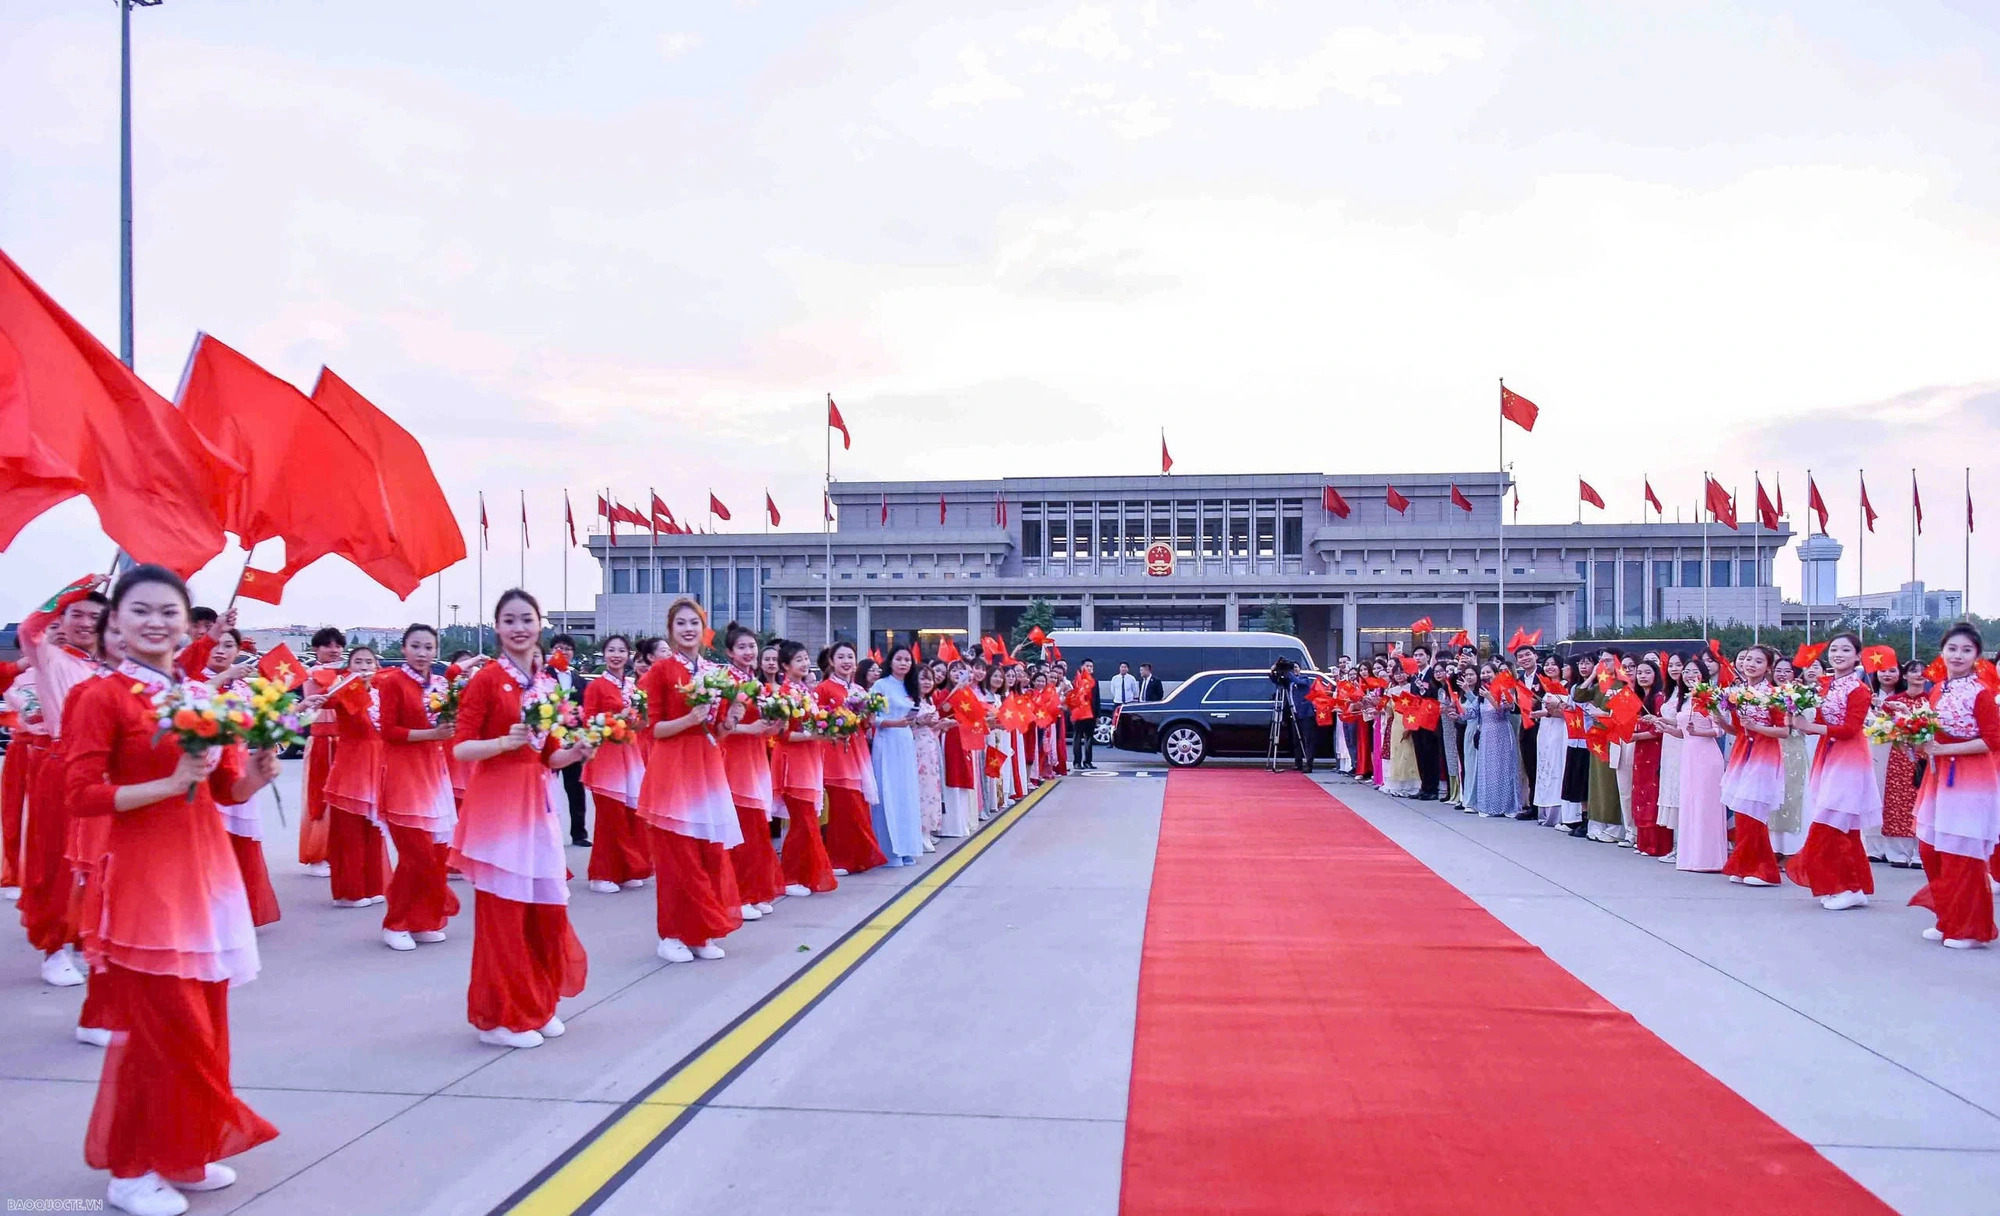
point(1150, 688)
point(572, 690)
point(1428, 742)
point(1083, 731)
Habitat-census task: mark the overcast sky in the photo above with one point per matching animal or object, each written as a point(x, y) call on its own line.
point(590, 243)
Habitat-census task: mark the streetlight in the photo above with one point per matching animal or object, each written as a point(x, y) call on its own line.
point(125, 8)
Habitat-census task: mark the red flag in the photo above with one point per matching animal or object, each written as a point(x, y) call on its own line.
point(1397, 502)
point(262, 585)
point(948, 650)
point(1767, 511)
point(1916, 502)
point(1803, 657)
point(74, 420)
point(1720, 505)
point(940, 510)
point(827, 500)
point(885, 508)
point(1166, 458)
point(1654, 499)
point(916, 650)
point(1589, 495)
point(1036, 635)
point(280, 666)
point(1459, 500)
point(1968, 509)
point(428, 535)
point(524, 521)
point(771, 509)
point(1518, 409)
point(1461, 638)
point(351, 694)
point(1517, 503)
point(1421, 625)
point(625, 514)
point(1935, 670)
point(482, 520)
point(875, 653)
point(1815, 503)
point(834, 420)
point(1332, 503)
point(716, 508)
point(1778, 484)
point(559, 661)
point(1867, 508)
point(604, 508)
point(1002, 509)
point(569, 517)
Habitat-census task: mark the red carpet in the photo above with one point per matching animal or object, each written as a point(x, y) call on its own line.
point(1327, 1026)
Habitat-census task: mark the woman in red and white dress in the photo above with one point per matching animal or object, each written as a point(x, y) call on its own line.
point(509, 841)
point(746, 761)
point(690, 817)
point(798, 778)
point(225, 669)
point(1842, 797)
point(356, 851)
point(89, 854)
point(618, 854)
point(1753, 784)
point(850, 776)
point(961, 767)
point(415, 800)
point(1958, 806)
point(174, 930)
point(322, 739)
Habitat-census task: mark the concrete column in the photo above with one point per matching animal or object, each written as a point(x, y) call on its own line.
point(1229, 609)
point(1470, 616)
point(1350, 626)
point(778, 622)
point(861, 622)
point(1088, 620)
point(972, 625)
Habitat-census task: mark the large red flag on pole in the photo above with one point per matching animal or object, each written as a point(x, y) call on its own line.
point(524, 519)
point(1721, 505)
point(1166, 457)
point(1654, 499)
point(771, 509)
point(1814, 502)
point(569, 517)
point(483, 542)
point(1518, 409)
point(1332, 503)
point(1459, 500)
point(428, 535)
point(1767, 511)
point(834, 420)
point(716, 508)
point(1916, 503)
point(1397, 502)
point(1867, 508)
point(1588, 494)
point(941, 516)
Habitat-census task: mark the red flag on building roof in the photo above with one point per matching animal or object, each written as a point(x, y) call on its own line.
point(1397, 502)
point(1000, 509)
point(1767, 511)
point(1867, 508)
point(1459, 500)
point(940, 510)
point(1166, 457)
point(1589, 495)
point(885, 508)
point(1815, 503)
point(771, 510)
point(835, 421)
point(1721, 505)
point(716, 508)
point(827, 505)
point(1332, 503)
point(1654, 499)
point(1518, 409)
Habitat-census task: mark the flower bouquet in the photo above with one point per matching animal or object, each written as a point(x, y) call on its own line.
point(1702, 698)
point(638, 706)
point(198, 718)
point(868, 704)
point(1798, 699)
point(717, 686)
point(550, 716)
point(784, 705)
point(1910, 726)
point(837, 723)
point(609, 728)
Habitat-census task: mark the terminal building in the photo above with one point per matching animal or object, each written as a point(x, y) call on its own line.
point(936, 559)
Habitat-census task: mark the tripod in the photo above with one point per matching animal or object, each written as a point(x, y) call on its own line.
point(1281, 704)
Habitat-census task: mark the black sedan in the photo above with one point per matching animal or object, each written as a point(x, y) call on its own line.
point(1216, 713)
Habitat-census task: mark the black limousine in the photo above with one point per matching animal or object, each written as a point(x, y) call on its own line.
point(1214, 713)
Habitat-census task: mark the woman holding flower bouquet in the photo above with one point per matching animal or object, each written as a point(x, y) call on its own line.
point(618, 856)
point(685, 800)
point(174, 926)
point(244, 823)
point(1753, 783)
point(746, 762)
point(899, 827)
point(355, 848)
point(1701, 834)
point(1841, 795)
point(850, 779)
point(798, 780)
point(416, 802)
point(509, 838)
point(1958, 806)
point(1897, 689)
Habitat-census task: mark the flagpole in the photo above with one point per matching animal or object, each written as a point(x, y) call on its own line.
point(1861, 556)
point(1965, 596)
point(1707, 571)
point(1916, 601)
point(1804, 570)
point(825, 514)
point(1756, 563)
point(569, 530)
point(652, 556)
point(1500, 594)
point(481, 606)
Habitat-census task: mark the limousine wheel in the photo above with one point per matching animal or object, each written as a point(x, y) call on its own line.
point(1101, 732)
point(1183, 746)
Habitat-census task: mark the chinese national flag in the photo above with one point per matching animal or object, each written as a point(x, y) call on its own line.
point(1518, 409)
point(1421, 625)
point(663, 517)
point(263, 586)
point(827, 502)
point(1459, 500)
point(1331, 501)
point(281, 666)
point(1815, 503)
point(1002, 510)
point(885, 509)
point(482, 519)
point(74, 420)
point(569, 517)
point(1917, 504)
point(948, 651)
point(1397, 502)
point(771, 509)
point(1461, 638)
point(428, 536)
point(715, 505)
point(1589, 495)
point(834, 420)
point(940, 510)
point(1767, 511)
point(1166, 457)
point(1867, 508)
point(351, 694)
point(1653, 499)
point(1720, 505)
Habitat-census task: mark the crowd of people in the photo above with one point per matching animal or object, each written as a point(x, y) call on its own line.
point(139, 870)
point(1710, 772)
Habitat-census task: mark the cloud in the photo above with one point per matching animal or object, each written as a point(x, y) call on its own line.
point(1085, 31)
point(1357, 62)
point(674, 45)
point(980, 85)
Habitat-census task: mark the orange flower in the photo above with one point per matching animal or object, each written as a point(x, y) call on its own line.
point(206, 728)
point(185, 719)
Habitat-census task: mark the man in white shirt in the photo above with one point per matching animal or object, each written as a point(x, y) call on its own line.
point(1123, 688)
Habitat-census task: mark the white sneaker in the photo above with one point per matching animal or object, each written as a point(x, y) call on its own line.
point(1860, 900)
point(750, 912)
point(1670, 859)
point(319, 869)
point(1735, 878)
point(215, 1178)
point(352, 903)
point(93, 1036)
point(1751, 880)
point(708, 950)
point(554, 1029)
point(839, 873)
point(378, 899)
point(930, 846)
point(798, 890)
point(398, 939)
point(633, 884)
point(59, 970)
point(1933, 934)
point(673, 951)
point(501, 1037)
point(429, 936)
point(603, 887)
point(766, 909)
point(1842, 901)
point(146, 1195)
point(1962, 943)
point(10, 893)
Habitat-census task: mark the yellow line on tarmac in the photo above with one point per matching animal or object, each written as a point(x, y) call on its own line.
point(585, 1175)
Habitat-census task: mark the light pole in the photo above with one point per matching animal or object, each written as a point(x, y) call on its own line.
point(125, 8)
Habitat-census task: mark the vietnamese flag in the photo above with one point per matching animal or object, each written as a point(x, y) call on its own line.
point(1459, 500)
point(1589, 495)
point(1332, 503)
point(1804, 656)
point(263, 586)
point(280, 666)
point(836, 422)
point(1518, 409)
point(1397, 502)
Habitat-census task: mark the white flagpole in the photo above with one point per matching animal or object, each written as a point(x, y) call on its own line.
point(826, 523)
point(1500, 593)
point(1861, 555)
point(1707, 571)
point(1916, 601)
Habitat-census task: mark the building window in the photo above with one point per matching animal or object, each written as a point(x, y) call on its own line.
point(1603, 592)
point(1634, 596)
point(1058, 538)
point(1267, 529)
point(670, 580)
point(1691, 574)
point(1350, 570)
point(746, 588)
point(698, 585)
point(1293, 536)
point(1406, 573)
point(1184, 522)
point(1718, 572)
point(1663, 574)
point(1463, 570)
point(642, 580)
point(621, 581)
point(1747, 575)
point(1239, 529)
point(1211, 529)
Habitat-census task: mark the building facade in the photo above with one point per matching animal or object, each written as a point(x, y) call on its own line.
point(935, 559)
point(1908, 600)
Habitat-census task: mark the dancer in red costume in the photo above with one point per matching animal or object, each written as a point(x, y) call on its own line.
point(746, 761)
point(355, 848)
point(323, 739)
point(691, 820)
point(60, 641)
point(1753, 785)
point(174, 931)
point(618, 854)
point(798, 779)
point(509, 841)
point(1842, 795)
point(414, 798)
point(226, 669)
point(850, 778)
point(88, 854)
point(1958, 808)
point(17, 687)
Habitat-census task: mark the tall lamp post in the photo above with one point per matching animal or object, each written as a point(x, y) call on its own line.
point(125, 8)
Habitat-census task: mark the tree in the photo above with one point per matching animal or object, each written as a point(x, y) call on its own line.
point(1278, 618)
point(1037, 616)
